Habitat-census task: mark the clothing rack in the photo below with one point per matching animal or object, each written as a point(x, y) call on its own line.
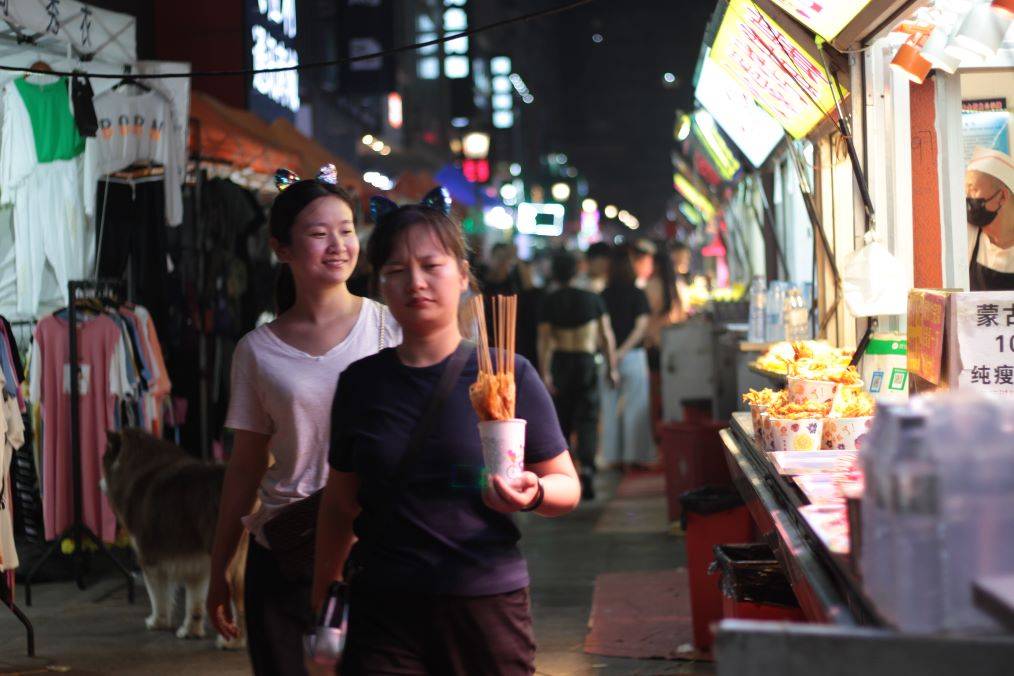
point(6, 593)
point(7, 598)
point(78, 532)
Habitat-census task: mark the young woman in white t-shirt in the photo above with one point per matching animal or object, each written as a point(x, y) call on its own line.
point(284, 376)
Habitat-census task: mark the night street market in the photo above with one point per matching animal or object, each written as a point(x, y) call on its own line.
point(468, 337)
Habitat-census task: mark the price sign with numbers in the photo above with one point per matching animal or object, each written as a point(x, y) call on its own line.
point(985, 334)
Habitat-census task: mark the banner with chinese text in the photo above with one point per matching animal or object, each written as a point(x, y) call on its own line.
point(985, 332)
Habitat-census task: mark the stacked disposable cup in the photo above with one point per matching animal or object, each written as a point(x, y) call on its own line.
point(503, 448)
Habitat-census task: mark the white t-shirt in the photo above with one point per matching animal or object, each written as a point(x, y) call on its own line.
point(990, 255)
point(287, 394)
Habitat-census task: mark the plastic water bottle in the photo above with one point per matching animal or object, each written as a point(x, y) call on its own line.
point(915, 517)
point(971, 440)
point(775, 312)
point(758, 301)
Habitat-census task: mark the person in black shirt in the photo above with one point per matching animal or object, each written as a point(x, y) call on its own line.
point(437, 582)
point(627, 438)
point(573, 325)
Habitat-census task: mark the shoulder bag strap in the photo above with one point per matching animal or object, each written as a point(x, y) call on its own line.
point(448, 379)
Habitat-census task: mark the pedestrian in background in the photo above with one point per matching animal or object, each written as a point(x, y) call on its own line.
point(626, 423)
point(596, 273)
point(666, 310)
point(573, 327)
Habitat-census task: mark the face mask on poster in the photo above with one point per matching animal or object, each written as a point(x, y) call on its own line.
point(977, 213)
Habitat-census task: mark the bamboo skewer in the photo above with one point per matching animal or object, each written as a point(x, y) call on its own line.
point(497, 376)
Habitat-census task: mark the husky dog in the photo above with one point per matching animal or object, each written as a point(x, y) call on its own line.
point(168, 502)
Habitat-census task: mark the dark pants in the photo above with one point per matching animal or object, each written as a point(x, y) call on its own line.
point(277, 616)
point(131, 221)
point(575, 376)
point(405, 633)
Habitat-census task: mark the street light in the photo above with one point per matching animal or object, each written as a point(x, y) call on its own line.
point(368, 140)
point(377, 145)
point(475, 145)
point(589, 205)
point(560, 192)
point(610, 211)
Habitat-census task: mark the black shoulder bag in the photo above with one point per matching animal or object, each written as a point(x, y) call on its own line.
point(292, 532)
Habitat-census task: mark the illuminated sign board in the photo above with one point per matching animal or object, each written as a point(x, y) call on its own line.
point(272, 33)
point(722, 156)
point(753, 131)
point(826, 18)
point(540, 219)
point(694, 196)
point(691, 214)
point(777, 72)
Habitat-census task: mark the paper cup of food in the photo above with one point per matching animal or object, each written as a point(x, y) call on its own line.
point(805, 389)
point(846, 433)
point(803, 434)
point(503, 448)
point(755, 416)
point(767, 424)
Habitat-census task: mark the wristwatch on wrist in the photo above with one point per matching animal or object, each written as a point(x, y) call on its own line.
point(539, 497)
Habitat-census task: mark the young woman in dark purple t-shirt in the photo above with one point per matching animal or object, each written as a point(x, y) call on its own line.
point(440, 585)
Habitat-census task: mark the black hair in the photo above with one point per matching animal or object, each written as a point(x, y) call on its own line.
point(666, 272)
point(564, 267)
point(284, 211)
point(598, 250)
point(621, 268)
point(392, 226)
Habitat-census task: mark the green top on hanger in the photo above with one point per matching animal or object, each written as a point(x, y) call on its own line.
point(53, 126)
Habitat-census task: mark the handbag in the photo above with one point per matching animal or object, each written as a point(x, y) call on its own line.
point(292, 532)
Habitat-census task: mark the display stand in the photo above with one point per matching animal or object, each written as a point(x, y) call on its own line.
point(78, 532)
point(7, 598)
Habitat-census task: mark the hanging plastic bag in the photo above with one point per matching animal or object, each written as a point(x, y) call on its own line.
point(871, 281)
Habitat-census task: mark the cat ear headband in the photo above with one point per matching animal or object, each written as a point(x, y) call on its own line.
point(438, 199)
point(286, 177)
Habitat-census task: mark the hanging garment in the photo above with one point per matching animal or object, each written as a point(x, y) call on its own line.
point(84, 106)
point(136, 128)
point(131, 223)
point(101, 359)
point(12, 435)
point(40, 175)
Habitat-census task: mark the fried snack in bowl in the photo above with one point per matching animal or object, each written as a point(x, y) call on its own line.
point(764, 397)
point(789, 410)
point(853, 402)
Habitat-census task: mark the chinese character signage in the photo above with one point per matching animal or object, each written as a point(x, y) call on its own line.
point(777, 72)
point(272, 34)
point(826, 18)
point(985, 332)
point(366, 27)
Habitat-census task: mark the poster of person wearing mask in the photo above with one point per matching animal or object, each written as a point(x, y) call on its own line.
point(989, 201)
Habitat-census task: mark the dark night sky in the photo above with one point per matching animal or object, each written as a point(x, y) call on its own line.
point(605, 105)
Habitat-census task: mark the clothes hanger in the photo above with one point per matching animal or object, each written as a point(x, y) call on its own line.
point(129, 79)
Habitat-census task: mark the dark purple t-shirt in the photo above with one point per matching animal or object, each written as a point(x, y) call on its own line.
point(440, 537)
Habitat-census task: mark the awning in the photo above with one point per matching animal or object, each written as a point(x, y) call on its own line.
point(313, 155)
point(235, 136)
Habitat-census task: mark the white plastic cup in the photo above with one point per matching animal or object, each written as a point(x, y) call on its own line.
point(503, 448)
